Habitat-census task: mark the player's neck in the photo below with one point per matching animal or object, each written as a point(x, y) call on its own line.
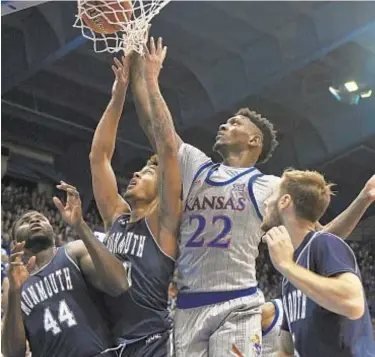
point(42, 258)
point(240, 159)
point(298, 229)
point(140, 210)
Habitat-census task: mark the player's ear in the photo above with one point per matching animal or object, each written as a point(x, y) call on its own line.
point(255, 140)
point(285, 201)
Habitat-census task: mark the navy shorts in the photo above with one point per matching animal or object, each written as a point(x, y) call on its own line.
point(157, 345)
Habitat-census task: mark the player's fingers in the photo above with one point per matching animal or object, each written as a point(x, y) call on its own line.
point(118, 63)
point(31, 263)
point(152, 45)
point(18, 247)
point(13, 257)
point(273, 233)
point(145, 49)
point(73, 193)
point(278, 229)
point(267, 239)
point(164, 53)
point(64, 186)
point(59, 205)
point(159, 44)
point(15, 264)
point(114, 69)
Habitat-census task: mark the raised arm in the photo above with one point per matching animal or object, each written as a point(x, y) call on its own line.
point(98, 264)
point(344, 224)
point(13, 338)
point(108, 200)
point(167, 218)
point(143, 101)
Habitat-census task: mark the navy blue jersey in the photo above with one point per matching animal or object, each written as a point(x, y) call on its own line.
point(315, 330)
point(143, 309)
point(60, 314)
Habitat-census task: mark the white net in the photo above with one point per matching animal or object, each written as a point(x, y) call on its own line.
point(127, 20)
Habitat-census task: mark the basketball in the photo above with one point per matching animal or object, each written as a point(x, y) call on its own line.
point(105, 17)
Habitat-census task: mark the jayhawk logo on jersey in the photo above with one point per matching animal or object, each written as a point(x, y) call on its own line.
point(255, 339)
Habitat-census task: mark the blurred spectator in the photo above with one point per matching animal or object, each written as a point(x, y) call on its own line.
point(18, 199)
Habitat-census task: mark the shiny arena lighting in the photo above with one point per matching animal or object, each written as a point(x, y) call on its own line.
point(350, 92)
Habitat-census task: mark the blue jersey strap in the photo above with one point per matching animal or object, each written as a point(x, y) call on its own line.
point(252, 196)
point(197, 174)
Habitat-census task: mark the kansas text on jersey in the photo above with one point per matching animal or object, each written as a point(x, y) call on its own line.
point(220, 228)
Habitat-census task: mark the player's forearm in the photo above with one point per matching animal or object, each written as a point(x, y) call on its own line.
point(166, 143)
point(13, 339)
point(163, 129)
point(331, 293)
point(111, 272)
point(344, 224)
point(142, 104)
point(104, 141)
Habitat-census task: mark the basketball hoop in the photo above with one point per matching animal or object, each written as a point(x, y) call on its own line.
point(117, 25)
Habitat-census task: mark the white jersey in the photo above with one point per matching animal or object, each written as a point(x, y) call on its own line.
point(271, 336)
point(220, 227)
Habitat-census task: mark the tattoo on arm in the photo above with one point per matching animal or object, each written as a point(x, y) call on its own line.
point(144, 115)
point(169, 174)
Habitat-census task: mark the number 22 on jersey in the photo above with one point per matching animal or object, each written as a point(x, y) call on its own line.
point(220, 241)
point(65, 317)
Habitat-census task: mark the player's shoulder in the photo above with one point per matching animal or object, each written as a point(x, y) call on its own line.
point(324, 242)
point(269, 180)
point(327, 239)
point(75, 250)
point(190, 150)
point(265, 185)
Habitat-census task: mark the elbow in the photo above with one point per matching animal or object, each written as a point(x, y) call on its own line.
point(355, 308)
point(96, 156)
point(119, 289)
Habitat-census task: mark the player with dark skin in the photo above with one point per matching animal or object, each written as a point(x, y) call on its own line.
point(153, 190)
point(153, 194)
point(240, 141)
point(34, 247)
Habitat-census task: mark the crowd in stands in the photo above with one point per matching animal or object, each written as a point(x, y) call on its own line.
point(16, 199)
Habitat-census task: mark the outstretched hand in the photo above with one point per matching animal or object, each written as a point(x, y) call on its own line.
point(154, 57)
point(18, 272)
point(121, 71)
point(72, 211)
